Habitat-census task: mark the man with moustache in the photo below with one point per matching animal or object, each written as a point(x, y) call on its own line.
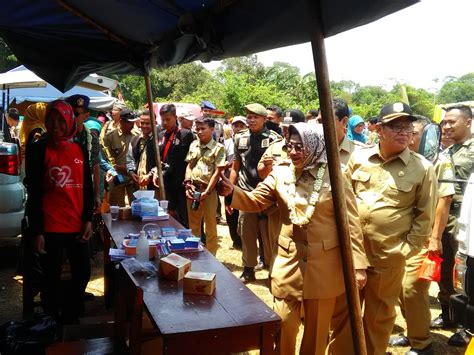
point(396, 193)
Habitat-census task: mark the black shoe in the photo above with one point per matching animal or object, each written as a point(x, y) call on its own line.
point(236, 246)
point(399, 340)
point(426, 351)
point(440, 323)
point(248, 275)
point(459, 339)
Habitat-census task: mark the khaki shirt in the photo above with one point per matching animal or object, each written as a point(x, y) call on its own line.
point(205, 159)
point(346, 148)
point(308, 262)
point(396, 200)
point(116, 146)
point(277, 150)
point(462, 157)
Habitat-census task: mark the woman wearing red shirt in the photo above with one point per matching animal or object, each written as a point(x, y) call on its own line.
point(60, 208)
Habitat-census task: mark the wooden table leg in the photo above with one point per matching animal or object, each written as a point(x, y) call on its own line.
point(269, 333)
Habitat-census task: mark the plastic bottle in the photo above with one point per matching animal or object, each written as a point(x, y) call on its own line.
point(143, 248)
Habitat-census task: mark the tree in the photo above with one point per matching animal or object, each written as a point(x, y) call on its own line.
point(457, 89)
point(7, 58)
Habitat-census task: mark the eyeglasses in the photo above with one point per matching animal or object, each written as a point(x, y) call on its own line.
point(400, 128)
point(298, 147)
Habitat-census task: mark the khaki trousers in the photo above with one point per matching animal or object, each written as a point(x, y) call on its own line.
point(117, 194)
point(380, 295)
point(206, 211)
point(252, 225)
point(415, 303)
point(320, 317)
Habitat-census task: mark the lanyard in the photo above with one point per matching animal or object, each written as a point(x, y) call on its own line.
point(167, 146)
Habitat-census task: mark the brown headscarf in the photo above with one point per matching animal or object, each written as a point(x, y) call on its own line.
point(314, 148)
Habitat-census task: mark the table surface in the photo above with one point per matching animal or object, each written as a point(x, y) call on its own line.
point(173, 312)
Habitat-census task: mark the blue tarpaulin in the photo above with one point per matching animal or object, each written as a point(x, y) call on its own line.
point(63, 41)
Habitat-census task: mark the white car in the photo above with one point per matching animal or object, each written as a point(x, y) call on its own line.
point(12, 191)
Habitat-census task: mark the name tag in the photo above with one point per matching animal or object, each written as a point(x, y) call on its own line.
point(265, 142)
point(176, 141)
point(243, 143)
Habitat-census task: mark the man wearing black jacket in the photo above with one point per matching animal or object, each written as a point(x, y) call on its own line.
point(174, 145)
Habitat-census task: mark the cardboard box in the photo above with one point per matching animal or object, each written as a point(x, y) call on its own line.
point(174, 267)
point(125, 213)
point(199, 283)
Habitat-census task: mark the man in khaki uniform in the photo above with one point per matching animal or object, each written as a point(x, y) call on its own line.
point(116, 145)
point(206, 160)
point(396, 193)
point(414, 298)
point(307, 271)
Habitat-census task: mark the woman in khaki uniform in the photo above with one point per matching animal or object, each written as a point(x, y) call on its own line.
point(307, 271)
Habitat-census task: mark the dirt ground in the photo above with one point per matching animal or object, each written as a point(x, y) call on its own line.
point(11, 295)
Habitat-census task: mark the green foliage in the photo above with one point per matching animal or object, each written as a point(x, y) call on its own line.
point(457, 89)
point(239, 81)
point(7, 58)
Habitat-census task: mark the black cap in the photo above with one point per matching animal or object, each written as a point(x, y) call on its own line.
point(13, 113)
point(128, 115)
point(77, 101)
point(292, 116)
point(396, 110)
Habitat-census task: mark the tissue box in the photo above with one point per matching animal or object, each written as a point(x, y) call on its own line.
point(192, 242)
point(168, 232)
point(125, 213)
point(177, 244)
point(174, 267)
point(199, 283)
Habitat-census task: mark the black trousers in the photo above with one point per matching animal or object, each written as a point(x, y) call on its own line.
point(232, 223)
point(70, 300)
point(177, 203)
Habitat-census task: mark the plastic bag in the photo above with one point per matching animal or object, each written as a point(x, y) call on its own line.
point(430, 269)
point(146, 269)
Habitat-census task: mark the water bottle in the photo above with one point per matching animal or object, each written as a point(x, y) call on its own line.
point(143, 248)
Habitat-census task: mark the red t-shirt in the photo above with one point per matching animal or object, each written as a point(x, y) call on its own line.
point(63, 185)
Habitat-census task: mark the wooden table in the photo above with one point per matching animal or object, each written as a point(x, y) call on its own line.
point(232, 320)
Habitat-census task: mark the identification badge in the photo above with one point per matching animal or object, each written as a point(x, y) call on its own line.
point(176, 141)
point(243, 143)
point(265, 143)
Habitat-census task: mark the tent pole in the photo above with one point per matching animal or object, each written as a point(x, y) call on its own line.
point(337, 180)
point(156, 151)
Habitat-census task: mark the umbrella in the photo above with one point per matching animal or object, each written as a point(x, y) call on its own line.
point(64, 41)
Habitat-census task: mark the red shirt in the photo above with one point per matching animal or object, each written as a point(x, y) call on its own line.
point(63, 188)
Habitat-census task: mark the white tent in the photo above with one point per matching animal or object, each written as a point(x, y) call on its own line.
point(24, 85)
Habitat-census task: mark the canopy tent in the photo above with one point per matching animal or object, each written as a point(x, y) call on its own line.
point(25, 86)
point(64, 41)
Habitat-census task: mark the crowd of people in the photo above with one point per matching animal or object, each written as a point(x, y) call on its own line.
point(271, 167)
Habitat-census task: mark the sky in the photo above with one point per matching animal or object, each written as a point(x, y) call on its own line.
point(427, 41)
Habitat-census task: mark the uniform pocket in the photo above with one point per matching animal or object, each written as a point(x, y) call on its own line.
point(360, 181)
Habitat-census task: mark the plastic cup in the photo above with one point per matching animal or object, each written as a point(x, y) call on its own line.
point(164, 205)
point(114, 212)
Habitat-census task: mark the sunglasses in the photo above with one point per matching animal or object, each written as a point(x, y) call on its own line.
point(298, 147)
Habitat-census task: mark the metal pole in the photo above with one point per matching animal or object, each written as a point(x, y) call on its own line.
point(156, 151)
point(337, 181)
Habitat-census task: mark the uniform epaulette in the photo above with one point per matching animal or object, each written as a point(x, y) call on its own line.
point(360, 144)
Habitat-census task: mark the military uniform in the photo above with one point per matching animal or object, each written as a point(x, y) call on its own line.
point(396, 202)
point(414, 298)
point(307, 270)
point(462, 158)
point(203, 161)
point(115, 148)
point(248, 149)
